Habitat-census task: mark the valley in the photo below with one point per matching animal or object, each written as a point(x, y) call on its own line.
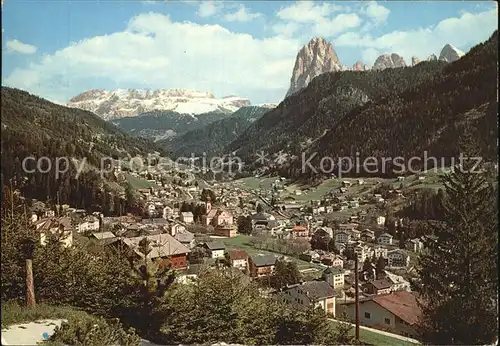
point(353, 203)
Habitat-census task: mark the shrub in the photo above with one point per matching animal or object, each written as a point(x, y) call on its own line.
point(93, 331)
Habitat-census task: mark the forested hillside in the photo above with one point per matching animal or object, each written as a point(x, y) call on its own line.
point(304, 116)
point(35, 127)
point(214, 137)
point(454, 112)
point(160, 125)
point(433, 106)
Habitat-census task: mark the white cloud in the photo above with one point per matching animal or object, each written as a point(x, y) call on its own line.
point(242, 15)
point(208, 8)
point(155, 52)
point(307, 11)
point(462, 32)
point(376, 12)
point(334, 26)
point(16, 46)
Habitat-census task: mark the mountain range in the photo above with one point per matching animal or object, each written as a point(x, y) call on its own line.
point(394, 112)
point(124, 103)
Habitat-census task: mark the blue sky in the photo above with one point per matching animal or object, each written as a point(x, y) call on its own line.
point(58, 49)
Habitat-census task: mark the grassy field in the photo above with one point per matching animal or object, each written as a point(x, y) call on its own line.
point(377, 339)
point(242, 242)
point(256, 183)
point(137, 183)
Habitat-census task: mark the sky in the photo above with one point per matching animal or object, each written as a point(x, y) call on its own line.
point(57, 49)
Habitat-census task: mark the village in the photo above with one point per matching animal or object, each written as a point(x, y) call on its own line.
point(250, 224)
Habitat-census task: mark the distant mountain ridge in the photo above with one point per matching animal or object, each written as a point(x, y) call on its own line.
point(131, 102)
point(214, 137)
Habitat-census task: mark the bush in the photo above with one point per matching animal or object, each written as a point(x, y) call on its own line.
point(93, 331)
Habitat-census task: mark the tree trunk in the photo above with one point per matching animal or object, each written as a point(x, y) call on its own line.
point(30, 287)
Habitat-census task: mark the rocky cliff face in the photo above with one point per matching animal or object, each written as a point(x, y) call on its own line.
point(432, 57)
point(315, 58)
point(359, 66)
point(389, 61)
point(123, 103)
point(450, 53)
point(414, 60)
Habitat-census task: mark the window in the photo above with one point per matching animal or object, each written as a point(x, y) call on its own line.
point(367, 315)
point(387, 321)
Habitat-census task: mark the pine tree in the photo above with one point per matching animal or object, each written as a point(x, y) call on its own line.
point(458, 271)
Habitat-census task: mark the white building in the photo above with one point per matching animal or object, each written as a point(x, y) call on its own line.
point(342, 237)
point(398, 258)
point(89, 223)
point(385, 239)
point(380, 220)
point(187, 217)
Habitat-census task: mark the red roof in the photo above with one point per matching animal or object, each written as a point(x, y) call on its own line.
point(299, 228)
point(237, 254)
point(402, 304)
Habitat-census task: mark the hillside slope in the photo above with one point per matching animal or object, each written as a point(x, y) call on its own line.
point(214, 137)
point(394, 112)
point(160, 125)
point(303, 117)
point(32, 126)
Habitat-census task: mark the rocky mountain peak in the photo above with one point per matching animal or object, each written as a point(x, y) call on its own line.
point(131, 102)
point(315, 58)
point(432, 57)
point(414, 60)
point(359, 66)
point(450, 53)
point(392, 60)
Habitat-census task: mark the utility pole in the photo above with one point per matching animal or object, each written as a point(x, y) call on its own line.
point(356, 297)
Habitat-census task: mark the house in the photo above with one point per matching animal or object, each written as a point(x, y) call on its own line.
point(261, 265)
point(385, 239)
point(361, 181)
point(324, 232)
point(415, 245)
point(401, 178)
point(380, 220)
point(102, 235)
point(215, 248)
point(398, 258)
point(397, 281)
point(151, 209)
point(397, 312)
point(346, 183)
point(60, 228)
point(299, 232)
point(164, 248)
point(346, 227)
point(176, 227)
point(382, 286)
point(378, 251)
point(187, 217)
point(342, 237)
point(377, 198)
point(50, 213)
point(310, 293)
point(89, 223)
point(167, 212)
point(225, 230)
point(238, 259)
point(223, 217)
point(354, 204)
point(367, 235)
point(183, 236)
point(334, 276)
